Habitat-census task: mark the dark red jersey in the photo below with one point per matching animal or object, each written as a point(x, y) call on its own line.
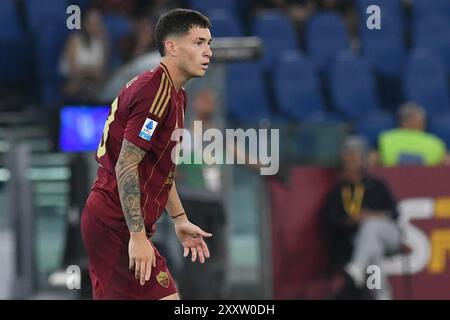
point(146, 113)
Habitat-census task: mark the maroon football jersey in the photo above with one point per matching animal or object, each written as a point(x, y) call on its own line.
point(146, 113)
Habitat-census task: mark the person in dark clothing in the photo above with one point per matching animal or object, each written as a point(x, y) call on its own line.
point(360, 216)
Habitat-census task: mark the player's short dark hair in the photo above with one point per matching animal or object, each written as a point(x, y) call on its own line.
point(178, 22)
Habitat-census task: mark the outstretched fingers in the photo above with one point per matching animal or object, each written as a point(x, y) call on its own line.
point(205, 249)
point(194, 254)
point(201, 255)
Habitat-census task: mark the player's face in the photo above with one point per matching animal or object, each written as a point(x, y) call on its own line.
point(195, 52)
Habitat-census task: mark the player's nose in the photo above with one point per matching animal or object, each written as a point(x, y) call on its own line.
point(209, 52)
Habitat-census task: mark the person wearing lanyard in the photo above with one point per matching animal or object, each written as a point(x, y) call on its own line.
point(360, 214)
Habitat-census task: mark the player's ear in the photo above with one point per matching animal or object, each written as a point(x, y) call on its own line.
point(170, 48)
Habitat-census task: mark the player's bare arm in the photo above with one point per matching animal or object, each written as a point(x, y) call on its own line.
point(174, 206)
point(141, 252)
point(189, 235)
point(128, 184)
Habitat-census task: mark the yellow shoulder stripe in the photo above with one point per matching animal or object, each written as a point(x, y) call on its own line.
point(162, 89)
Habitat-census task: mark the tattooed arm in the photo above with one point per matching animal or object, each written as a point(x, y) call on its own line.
point(141, 252)
point(128, 184)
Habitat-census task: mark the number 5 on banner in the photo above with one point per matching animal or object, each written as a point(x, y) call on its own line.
point(102, 146)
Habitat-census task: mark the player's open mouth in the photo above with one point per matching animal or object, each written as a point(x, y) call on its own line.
point(205, 65)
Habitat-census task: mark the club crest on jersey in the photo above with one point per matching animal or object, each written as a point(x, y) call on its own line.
point(147, 129)
point(163, 279)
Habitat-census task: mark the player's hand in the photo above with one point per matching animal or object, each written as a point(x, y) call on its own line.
point(191, 238)
point(142, 256)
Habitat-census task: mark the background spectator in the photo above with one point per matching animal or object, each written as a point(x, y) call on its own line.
point(85, 57)
point(410, 143)
point(360, 215)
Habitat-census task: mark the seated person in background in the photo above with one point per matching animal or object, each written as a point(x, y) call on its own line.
point(410, 144)
point(360, 214)
point(84, 58)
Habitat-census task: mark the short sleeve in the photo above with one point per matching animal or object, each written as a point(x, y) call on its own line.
point(148, 107)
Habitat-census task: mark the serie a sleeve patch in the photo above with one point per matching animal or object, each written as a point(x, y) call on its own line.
point(147, 129)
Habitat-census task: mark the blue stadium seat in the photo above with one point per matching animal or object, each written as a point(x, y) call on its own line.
point(425, 82)
point(352, 86)
point(373, 124)
point(83, 4)
point(385, 48)
point(50, 42)
point(391, 8)
point(438, 124)
point(433, 33)
point(224, 24)
point(325, 36)
point(297, 87)
point(277, 33)
point(246, 93)
point(117, 26)
point(39, 12)
point(14, 51)
point(205, 6)
point(423, 8)
point(8, 16)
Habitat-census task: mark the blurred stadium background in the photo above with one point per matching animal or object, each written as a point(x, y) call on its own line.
point(322, 76)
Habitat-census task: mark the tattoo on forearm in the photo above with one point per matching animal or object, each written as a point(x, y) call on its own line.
point(128, 184)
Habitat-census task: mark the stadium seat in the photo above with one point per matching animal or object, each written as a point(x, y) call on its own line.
point(423, 8)
point(391, 8)
point(325, 36)
point(433, 33)
point(117, 26)
point(277, 33)
point(438, 124)
point(83, 4)
point(14, 51)
point(205, 6)
point(39, 12)
point(297, 87)
point(224, 24)
point(10, 23)
point(373, 124)
point(425, 82)
point(384, 48)
point(352, 86)
point(246, 93)
point(50, 42)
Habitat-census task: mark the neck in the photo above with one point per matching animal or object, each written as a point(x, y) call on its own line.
point(412, 127)
point(177, 76)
